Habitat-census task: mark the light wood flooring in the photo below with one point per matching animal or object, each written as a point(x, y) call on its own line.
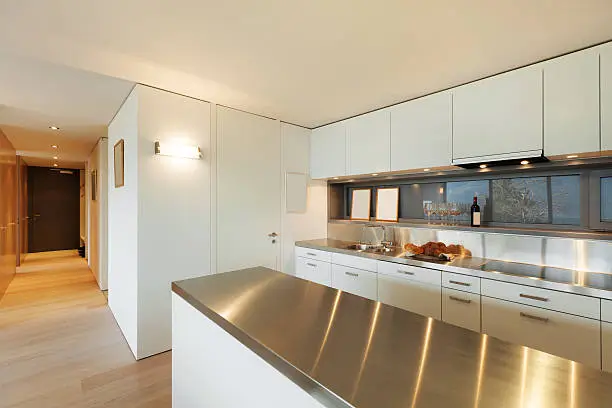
point(61, 347)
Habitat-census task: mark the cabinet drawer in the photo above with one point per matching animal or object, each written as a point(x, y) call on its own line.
point(461, 309)
point(313, 270)
point(606, 310)
point(572, 337)
point(413, 273)
point(313, 254)
point(416, 297)
point(606, 346)
point(354, 262)
point(548, 299)
point(461, 282)
point(355, 281)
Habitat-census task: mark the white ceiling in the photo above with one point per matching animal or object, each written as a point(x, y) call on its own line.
point(308, 62)
point(35, 95)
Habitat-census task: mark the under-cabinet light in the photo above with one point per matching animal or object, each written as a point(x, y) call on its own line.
point(525, 162)
point(483, 166)
point(177, 150)
point(572, 156)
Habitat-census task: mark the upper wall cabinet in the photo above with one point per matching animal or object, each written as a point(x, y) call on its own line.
point(421, 132)
point(606, 96)
point(498, 117)
point(328, 151)
point(368, 138)
point(571, 103)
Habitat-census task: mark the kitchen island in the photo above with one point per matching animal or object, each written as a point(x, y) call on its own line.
point(258, 337)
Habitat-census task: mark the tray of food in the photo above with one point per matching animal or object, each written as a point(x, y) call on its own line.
point(436, 251)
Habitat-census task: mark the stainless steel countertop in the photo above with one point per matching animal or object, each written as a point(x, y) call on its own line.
point(348, 351)
point(595, 284)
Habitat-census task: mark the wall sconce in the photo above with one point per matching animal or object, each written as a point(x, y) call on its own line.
point(176, 150)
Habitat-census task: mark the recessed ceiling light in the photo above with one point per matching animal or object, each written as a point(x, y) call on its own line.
point(426, 169)
point(54, 146)
point(572, 156)
point(54, 164)
point(483, 166)
point(524, 162)
point(53, 128)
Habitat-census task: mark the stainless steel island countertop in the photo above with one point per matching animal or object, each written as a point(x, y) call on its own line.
point(348, 351)
point(595, 284)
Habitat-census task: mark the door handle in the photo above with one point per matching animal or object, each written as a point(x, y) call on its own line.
point(273, 235)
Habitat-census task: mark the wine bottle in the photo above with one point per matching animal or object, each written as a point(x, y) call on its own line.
point(475, 213)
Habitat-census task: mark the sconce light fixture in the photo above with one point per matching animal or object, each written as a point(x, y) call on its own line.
point(177, 150)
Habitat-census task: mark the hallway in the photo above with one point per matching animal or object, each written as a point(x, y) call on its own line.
point(60, 346)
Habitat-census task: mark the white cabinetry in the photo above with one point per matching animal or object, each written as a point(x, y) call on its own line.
point(571, 103)
point(461, 309)
point(606, 346)
point(368, 138)
point(328, 151)
point(606, 96)
point(421, 133)
point(313, 270)
point(355, 281)
point(572, 337)
point(498, 116)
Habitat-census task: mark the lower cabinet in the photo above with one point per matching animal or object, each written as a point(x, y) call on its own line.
point(355, 281)
point(461, 309)
point(417, 297)
point(568, 336)
point(313, 270)
point(606, 346)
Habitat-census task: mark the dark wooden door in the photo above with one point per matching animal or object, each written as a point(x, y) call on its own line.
point(54, 209)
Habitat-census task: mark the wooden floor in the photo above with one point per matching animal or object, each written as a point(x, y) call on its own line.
point(60, 346)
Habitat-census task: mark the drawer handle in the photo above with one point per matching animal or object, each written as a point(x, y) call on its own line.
point(532, 317)
point(526, 296)
point(311, 254)
point(456, 299)
point(311, 264)
point(459, 283)
point(406, 272)
point(351, 274)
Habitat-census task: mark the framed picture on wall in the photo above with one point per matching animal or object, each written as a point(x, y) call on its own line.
point(360, 204)
point(94, 185)
point(387, 203)
point(119, 163)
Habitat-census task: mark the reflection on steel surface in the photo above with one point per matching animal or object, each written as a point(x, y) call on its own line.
point(348, 351)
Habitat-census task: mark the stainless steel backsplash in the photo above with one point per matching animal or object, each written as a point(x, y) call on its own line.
point(572, 253)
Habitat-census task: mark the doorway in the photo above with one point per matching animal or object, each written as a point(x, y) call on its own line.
point(54, 209)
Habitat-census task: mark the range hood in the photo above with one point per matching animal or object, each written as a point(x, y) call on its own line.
point(531, 156)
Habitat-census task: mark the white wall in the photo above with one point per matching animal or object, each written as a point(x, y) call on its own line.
point(97, 223)
point(311, 224)
point(163, 211)
point(123, 224)
point(174, 209)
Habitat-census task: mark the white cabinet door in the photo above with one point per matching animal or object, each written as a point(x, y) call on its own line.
point(572, 337)
point(416, 297)
point(355, 281)
point(606, 346)
point(461, 309)
point(313, 270)
point(328, 151)
point(248, 190)
point(421, 133)
point(606, 96)
point(571, 104)
point(498, 115)
point(368, 138)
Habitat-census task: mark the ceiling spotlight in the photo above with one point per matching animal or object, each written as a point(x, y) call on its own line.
point(426, 169)
point(54, 164)
point(53, 128)
point(54, 146)
point(572, 156)
point(483, 166)
point(524, 162)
